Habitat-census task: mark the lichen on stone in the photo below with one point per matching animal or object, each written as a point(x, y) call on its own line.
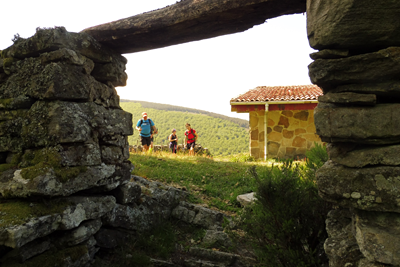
point(47, 160)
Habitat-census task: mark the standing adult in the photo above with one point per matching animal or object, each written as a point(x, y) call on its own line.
point(190, 138)
point(145, 126)
point(173, 141)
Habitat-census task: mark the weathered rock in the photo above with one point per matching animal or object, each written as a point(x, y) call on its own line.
point(84, 208)
point(341, 246)
point(188, 21)
point(373, 189)
point(358, 124)
point(373, 67)
point(246, 199)
point(330, 54)
point(378, 235)
point(198, 215)
point(80, 234)
point(61, 182)
point(113, 154)
point(127, 193)
point(363, 155)
point(355, 24)
point(20, 102)
point(217, 239)
point(156, 204)
point(46, 40)
point(386, 88)
point(70, 122)
point(113, 72)
point(348, 98)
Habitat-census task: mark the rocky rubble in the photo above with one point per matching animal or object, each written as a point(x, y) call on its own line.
point(357, 68)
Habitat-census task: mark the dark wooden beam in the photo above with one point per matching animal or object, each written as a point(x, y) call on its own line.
point(190, 20)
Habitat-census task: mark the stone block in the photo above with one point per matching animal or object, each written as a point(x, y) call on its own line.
point(127, 193)
point(270, 123)
point(379, 88)
point(273, 148)
point(275, 136)
point(348, 98)
point(357, 24)
point(287, 113)
point(299, 131)
point(294, 125)
point(378, 235)
point(290, 151)
point(366, 68)
point(278, 129)
point(368, 188)
point(358, 124)
point(288, 134)
point(254, 134)
point(364, 155)
point(269, 130)
point(301, 115)
point(253, 120)
point(299, 142)
point(261, 136)
point(274, 116)
point(255, 152)
point(283, 121)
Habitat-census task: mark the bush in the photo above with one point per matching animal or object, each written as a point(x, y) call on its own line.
point(286, 224)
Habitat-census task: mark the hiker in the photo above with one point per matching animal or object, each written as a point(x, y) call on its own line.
point(173, 141)
point(145, 127)
point(190, 139)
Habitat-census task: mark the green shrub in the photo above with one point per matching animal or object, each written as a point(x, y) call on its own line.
point(316, 157)
point(286, 224)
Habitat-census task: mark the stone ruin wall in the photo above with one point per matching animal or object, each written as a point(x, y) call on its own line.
point(358, 68)
point(289, 133)
point(65, 178)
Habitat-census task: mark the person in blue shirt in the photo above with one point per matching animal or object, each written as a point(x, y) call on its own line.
point(144, 127)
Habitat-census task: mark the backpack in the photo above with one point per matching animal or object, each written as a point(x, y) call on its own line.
point(191, 131)
point(151, 127)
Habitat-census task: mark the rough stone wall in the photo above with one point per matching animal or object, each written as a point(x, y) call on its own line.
point(63, 139)
point(290, 133)
point(358, 68)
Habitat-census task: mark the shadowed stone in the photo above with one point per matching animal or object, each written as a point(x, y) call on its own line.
point(373, 189)
point(341, 247)
point(358, 24)
point(358, 124)
point(348, 98)
point(374, 67)
point(378, 235)
point(84, 208)
point(365, 155)
point(189, 20)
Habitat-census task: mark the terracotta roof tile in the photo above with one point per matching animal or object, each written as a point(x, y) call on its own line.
point(280, 93)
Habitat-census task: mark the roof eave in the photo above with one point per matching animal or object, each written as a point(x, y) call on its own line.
point(273, 102)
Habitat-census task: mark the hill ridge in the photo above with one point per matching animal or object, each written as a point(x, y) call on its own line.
point(159, 106)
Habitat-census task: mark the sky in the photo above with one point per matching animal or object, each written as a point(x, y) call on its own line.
point(203, 74)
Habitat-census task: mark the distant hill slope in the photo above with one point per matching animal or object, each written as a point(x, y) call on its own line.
point(166, 107)
point(220, 136)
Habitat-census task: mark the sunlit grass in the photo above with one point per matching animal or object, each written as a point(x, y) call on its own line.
point(213, 181)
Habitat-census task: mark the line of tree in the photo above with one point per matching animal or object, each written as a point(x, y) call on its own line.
point(220, 136)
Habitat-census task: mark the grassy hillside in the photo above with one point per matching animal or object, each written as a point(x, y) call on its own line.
point(166, 107)
point(220, 136)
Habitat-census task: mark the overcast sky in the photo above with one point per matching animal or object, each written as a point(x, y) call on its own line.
point(204, 74)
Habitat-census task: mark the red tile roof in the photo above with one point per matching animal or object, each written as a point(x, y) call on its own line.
point(280, 93)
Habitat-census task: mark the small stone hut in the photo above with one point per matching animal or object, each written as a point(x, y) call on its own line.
point(281, 119)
